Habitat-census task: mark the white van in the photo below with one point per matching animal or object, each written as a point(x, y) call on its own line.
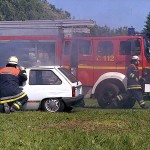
point(53, 89)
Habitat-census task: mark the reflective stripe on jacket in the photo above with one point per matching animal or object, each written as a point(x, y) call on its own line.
point(10, 70)
point(12, 98)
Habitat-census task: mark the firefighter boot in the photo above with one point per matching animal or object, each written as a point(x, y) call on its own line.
point(15, 107)
point(113, 104)
point(6, 108)
point(143, 105)
point(12, 109)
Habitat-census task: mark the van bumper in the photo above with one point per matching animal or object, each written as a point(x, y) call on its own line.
point(75, 101)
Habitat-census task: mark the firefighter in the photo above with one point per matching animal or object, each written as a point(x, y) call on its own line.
point(11, 77)
point(134, 88)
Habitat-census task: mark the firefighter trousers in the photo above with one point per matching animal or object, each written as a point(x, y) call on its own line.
point(138, 95)
point(15, 102)
point(123, 98)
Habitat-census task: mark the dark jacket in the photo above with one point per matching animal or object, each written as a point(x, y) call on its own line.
point(10, 79)
point(133, 77)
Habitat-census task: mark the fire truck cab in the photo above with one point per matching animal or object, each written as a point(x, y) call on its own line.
point(100, 63)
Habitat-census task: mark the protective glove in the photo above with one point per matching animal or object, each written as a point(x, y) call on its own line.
point(22, 68)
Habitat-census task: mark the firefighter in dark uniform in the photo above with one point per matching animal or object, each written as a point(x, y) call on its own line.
point(11, 96)
point(134, 88)
point(133, 81)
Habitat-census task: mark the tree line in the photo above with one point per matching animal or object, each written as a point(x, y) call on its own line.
point(146, 29)
point(30, 10)
point(11, 10)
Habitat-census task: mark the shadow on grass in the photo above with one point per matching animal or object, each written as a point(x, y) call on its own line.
point(97, 107)
point(94, 107)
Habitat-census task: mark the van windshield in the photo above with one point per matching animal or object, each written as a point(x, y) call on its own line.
point(68, 74)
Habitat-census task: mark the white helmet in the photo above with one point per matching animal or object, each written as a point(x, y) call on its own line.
point(13, 60)
point(135, 58)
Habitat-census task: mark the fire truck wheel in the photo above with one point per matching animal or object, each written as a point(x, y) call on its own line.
point(53, 105)
point(106, 94)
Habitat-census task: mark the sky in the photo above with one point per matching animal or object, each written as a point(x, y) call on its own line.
point(112, 13)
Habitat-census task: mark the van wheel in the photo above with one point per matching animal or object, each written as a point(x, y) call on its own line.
point(106, 94)
point(53, 105)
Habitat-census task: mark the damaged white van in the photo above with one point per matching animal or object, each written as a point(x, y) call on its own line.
point(53, 89)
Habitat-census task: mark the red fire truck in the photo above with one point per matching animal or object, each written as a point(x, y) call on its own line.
point(100, 63)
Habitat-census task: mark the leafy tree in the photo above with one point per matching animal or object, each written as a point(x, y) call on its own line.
point(121, 31)
point(106, 31)
point(146, 30)
point(30, 10)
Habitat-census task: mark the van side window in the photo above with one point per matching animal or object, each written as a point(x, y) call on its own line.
point(43, 77)
point(125, 48)
point(32, 78)
point(85, 47)
point(105, 48)
point(67, 47)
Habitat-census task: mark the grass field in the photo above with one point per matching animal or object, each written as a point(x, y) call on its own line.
point(88, 128)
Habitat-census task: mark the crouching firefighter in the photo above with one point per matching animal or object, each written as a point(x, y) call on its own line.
point(11, 96)
point(134, 88)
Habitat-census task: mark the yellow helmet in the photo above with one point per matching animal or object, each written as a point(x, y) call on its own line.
point(13, 60)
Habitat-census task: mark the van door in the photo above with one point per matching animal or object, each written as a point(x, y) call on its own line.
point(123, 55)
point(78, 56)
point(104, 57)
point(70, 55)
point(66, 54)
point(85, 62)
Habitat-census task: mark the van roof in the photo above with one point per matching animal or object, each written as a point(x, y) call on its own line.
point(44, 67)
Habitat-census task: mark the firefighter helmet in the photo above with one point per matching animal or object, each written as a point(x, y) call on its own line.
point(135, 58)
point(13, 60)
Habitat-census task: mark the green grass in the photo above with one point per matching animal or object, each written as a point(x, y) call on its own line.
point(88, 128)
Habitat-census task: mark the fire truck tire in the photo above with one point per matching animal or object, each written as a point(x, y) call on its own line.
point(106, 94)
